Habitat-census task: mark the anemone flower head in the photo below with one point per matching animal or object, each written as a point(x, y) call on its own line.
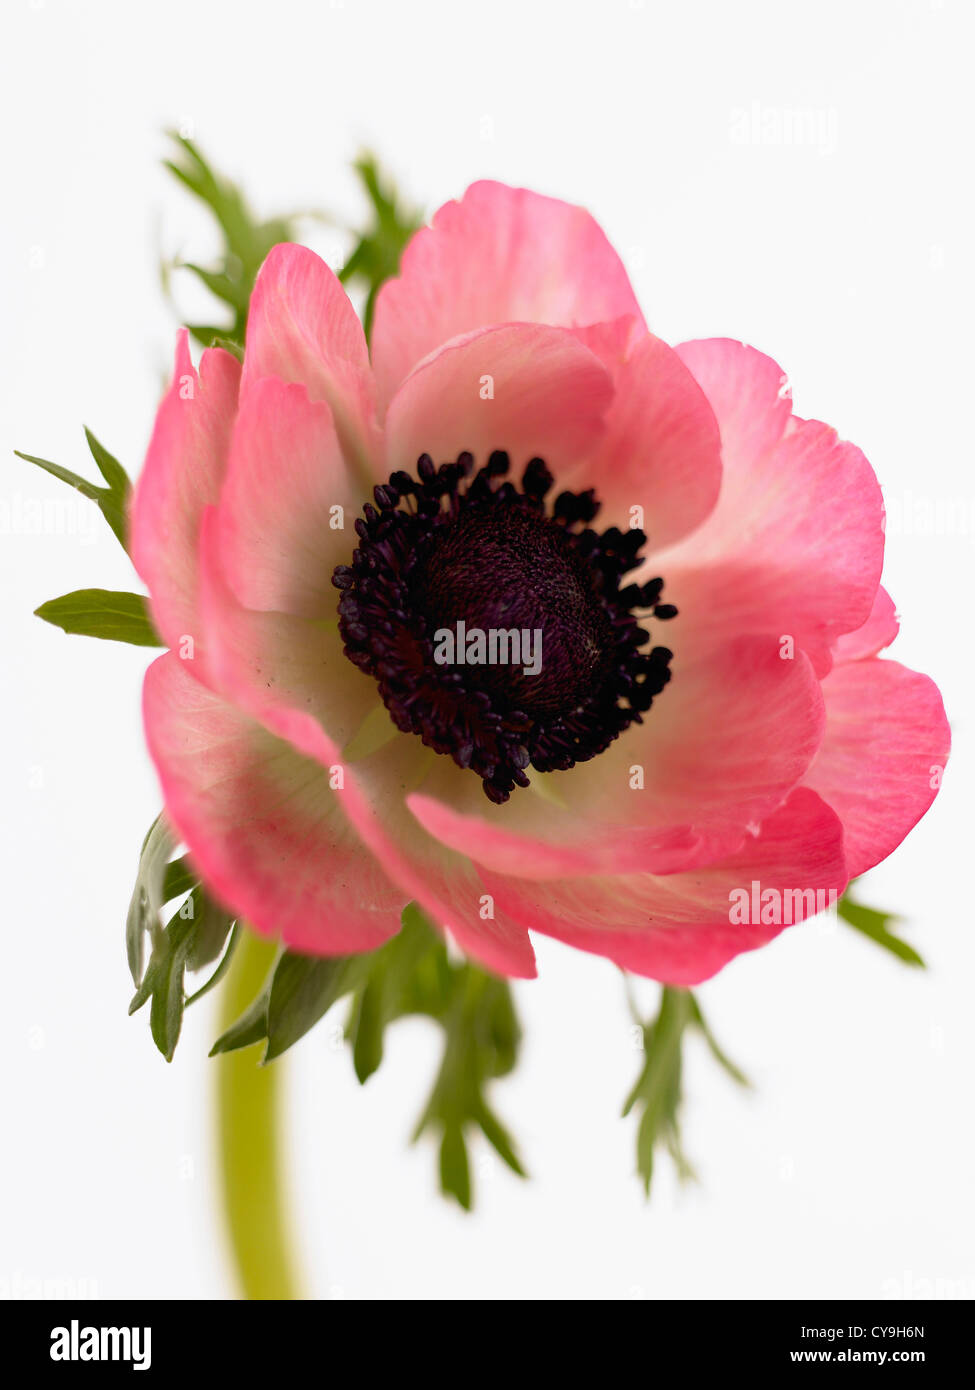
point(525, 616)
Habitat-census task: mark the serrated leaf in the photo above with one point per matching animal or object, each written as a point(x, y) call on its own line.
point(873, 924)
point(109, 614)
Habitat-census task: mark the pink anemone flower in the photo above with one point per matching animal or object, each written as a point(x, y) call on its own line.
point(521, 548)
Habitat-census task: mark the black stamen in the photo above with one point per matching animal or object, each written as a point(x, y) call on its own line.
point(435, 550)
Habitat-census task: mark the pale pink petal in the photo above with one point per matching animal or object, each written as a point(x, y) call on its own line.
point(721, 749)
point(261, 821)
point(883, 755)
point(302, 327)
point(271, 666)
point(799, 556)
point(679, 929)
point(877, 632)
point(750, 397)
point(266, 659)
point(499, 255)
point(288, 506)
point(794, 546)
point(525, 388)
point(661, 452)
point(183, 473)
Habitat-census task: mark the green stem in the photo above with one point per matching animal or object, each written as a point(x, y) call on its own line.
point(248, 1115)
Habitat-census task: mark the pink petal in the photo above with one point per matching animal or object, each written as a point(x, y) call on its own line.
point(286, 489)
point(499, 255)
point(302, 327)
point(266, 660)
point(679, 929)
point(261, 822)
point(749, 394)
point(883, 755)
point(661, 451)
point(288, 674)
point(877, 632)
point(183, 472)
point(721, 748)
point(549, 398)
point(796, 553)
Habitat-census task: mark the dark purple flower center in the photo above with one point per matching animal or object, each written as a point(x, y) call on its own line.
point(496, 628)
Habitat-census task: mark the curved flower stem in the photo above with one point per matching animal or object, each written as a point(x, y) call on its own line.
point(249, 1142)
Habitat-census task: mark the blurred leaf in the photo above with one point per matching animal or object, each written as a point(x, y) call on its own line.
point(250, 1028)
point(221, 969)
point(455, 1168)
point(717, 1052)
point(874, 924)
point(377, 253)
point(657, 1090)
point(246, 242)
point(297, 994)
point(480, 1044)
point(657, 1094)
point(303, 989)
point(105, 613)
point(409, 975)
point(179, 879)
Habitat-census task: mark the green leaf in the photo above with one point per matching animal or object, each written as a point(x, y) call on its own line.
point(480, 1044)
point(173, 953)
point(657, 1091)
point(221, 969)
point(114, 616)
point(163, 984)
point(250, 1028)
point(303, 989)
point(179, 879)
point(717, 1052)
point(246, 243)
point(455, 1169)
point(874, 925)
point(111, 500)
point(377, 254)
point(109, 467)
point(148, 895)
point(657, 1094)
point(413, 975)
point(298, 993)
point(409, 975)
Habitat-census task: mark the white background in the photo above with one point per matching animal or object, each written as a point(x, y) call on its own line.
point(842, 245)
